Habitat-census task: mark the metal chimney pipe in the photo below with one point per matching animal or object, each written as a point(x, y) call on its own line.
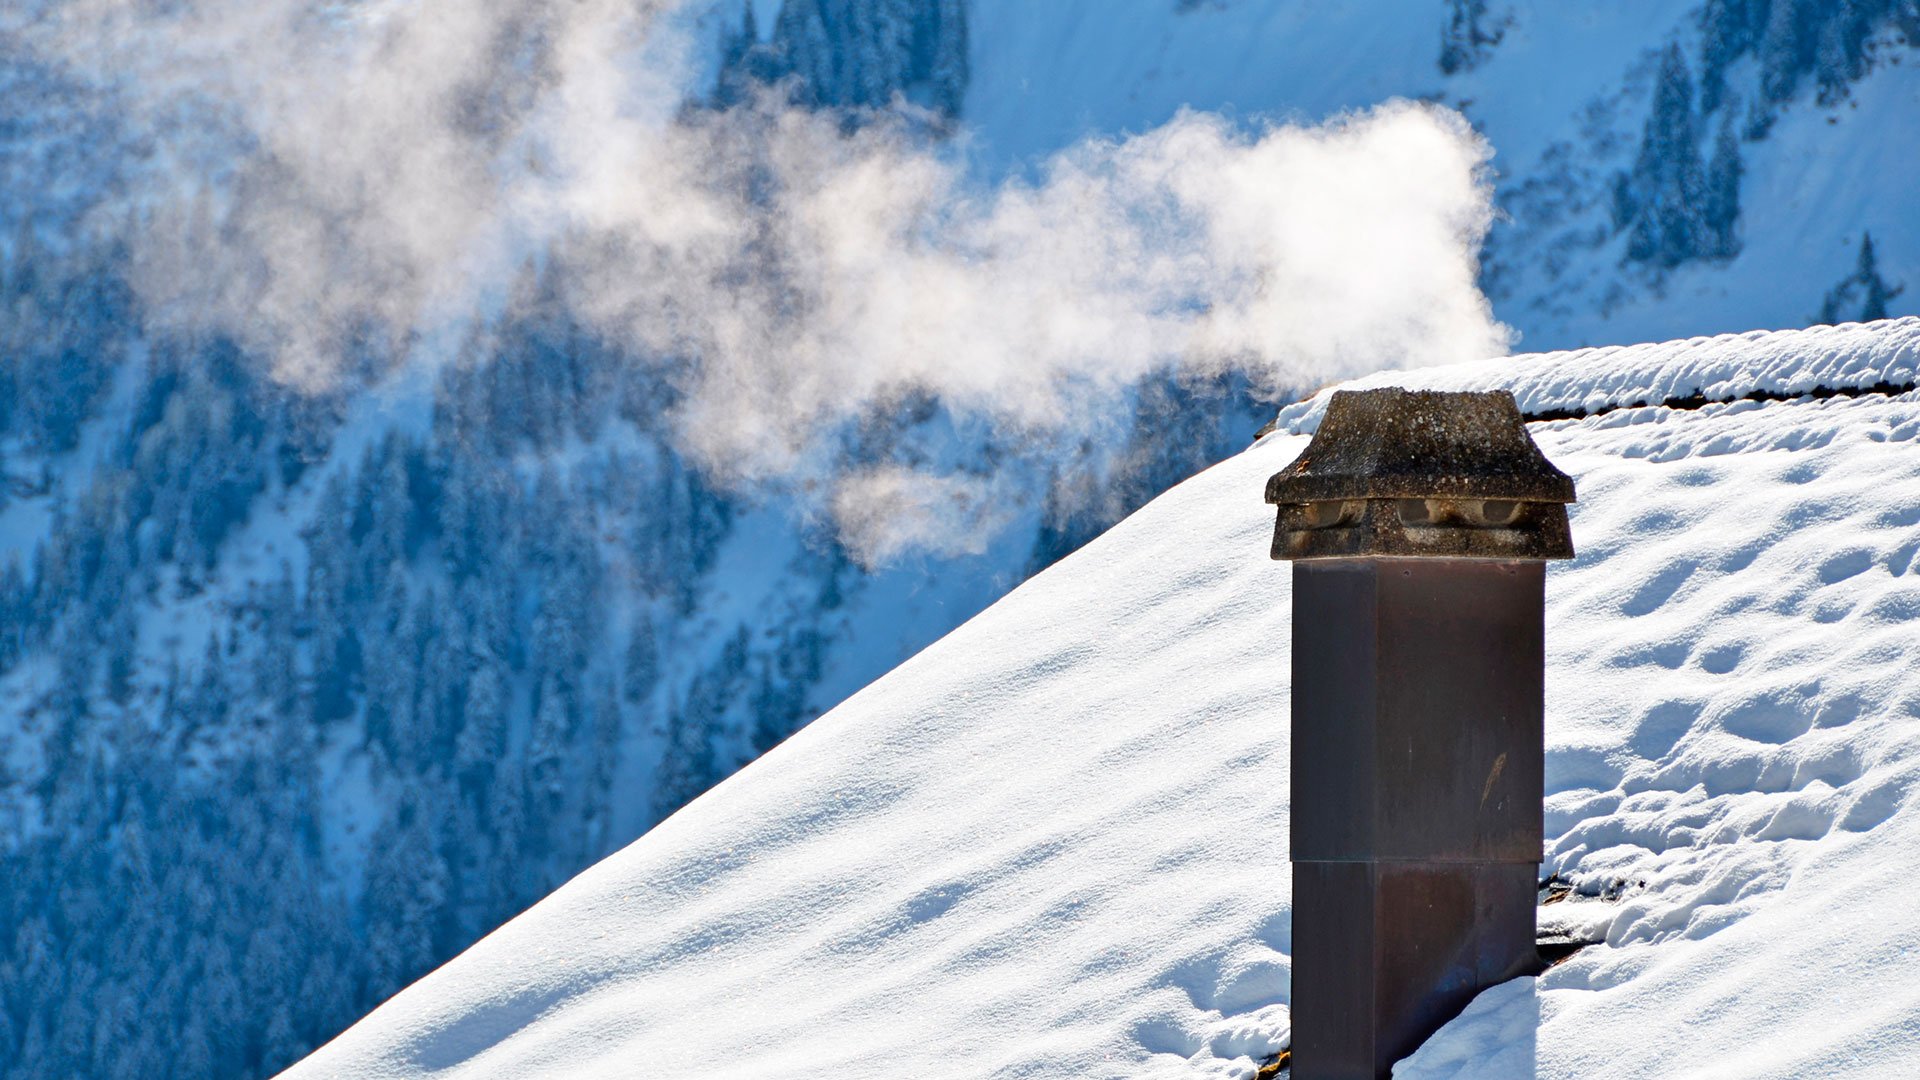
point(1418, 524)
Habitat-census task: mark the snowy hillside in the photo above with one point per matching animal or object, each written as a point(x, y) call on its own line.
point(1567, 94)
point(1055, 842)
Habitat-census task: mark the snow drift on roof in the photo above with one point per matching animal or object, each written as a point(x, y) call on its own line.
point(1055, 843)
point(1773, 363)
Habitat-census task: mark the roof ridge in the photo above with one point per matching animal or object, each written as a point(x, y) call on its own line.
point(1758, 365)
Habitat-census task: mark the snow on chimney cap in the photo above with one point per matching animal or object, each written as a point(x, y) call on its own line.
point(1395, 472)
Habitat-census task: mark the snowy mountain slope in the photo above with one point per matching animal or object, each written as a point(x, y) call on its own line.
point(1805, 204)
point(1564, 96)
point(1046, 75)
point(1054, 843)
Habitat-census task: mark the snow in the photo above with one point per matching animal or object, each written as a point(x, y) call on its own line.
point(1562, 99)
point(26, 511)
point(1055, 842)
point(1852, 356)
point(1817, 984)
point(1804, 205)
point(1045, 75)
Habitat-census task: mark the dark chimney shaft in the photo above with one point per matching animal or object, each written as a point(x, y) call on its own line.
point(1418, 523)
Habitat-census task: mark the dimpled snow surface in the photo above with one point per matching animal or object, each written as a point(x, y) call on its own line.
point(1054, 844)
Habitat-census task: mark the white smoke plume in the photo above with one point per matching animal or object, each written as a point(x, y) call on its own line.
point(887, 511)
point(327, 171)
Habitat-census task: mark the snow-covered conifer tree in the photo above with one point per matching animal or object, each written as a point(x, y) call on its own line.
point(483, 728)
point(1663, 195)
point(1721, 211)
point(641, 662)
point(1727, 32)
point(407, 884)
point(1467, 35)
point(947, 66)
point(1788, 46)
point(1875, 292)
point(1861, 296)
point(1840, 56)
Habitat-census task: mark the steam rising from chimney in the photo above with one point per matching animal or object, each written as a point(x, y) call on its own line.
point(326, 172)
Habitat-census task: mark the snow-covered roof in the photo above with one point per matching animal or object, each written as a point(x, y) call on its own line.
point(1055, 842)
point(1762, 364)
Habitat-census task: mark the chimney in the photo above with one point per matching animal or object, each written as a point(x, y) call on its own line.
point(1418, 524)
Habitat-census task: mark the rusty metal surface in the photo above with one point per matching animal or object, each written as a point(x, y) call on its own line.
point(1417, 709)
point(1417, 787)
point(1384, 953)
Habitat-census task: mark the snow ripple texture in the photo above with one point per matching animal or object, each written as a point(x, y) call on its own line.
point(1851, 356)
point(1054, 843)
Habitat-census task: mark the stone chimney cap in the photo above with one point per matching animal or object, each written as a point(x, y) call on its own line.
point(1421, 474)
point(1392, 443)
